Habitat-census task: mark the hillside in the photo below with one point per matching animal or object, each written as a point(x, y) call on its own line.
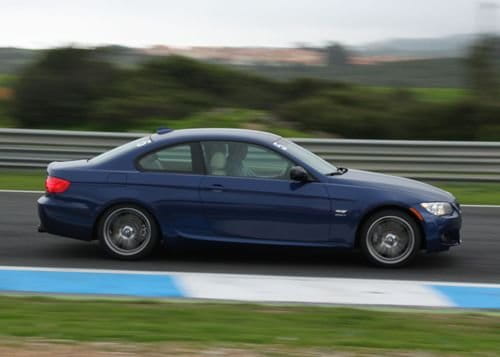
point(440, 47)
point(440, 72)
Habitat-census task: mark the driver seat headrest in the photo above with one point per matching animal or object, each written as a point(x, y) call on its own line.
point(218, 164)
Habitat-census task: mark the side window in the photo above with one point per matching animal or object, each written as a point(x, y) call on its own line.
point(227, 158)
point(171, 159)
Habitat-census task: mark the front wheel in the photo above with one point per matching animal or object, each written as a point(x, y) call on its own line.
point(390, 238)
point(127, 232)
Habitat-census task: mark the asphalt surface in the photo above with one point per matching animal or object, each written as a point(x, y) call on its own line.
point(476, 260)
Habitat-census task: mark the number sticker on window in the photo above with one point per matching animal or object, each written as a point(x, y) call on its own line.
point(278, 145)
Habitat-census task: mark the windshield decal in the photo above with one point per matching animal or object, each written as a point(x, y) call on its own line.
point(280, 146)
point(144, 142)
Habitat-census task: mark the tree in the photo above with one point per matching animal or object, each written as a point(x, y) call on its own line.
point(336, 55)
point(58, 90)
point(483, 68)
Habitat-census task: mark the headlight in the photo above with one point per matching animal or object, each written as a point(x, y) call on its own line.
point(438, 208)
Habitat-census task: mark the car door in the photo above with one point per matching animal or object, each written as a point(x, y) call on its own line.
point(247, 195)
point(169, 180)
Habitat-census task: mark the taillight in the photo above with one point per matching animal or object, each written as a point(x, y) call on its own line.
point(56, 185)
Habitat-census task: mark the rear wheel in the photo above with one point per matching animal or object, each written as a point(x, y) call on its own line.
point(390, 238)
point(127, 232)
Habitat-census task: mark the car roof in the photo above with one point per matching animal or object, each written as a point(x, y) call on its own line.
point(216, 134)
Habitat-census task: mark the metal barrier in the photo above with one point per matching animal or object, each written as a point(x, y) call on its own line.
point(430, 160)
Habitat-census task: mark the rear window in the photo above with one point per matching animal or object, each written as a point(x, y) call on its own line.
point(111, 154)
point(171, 159)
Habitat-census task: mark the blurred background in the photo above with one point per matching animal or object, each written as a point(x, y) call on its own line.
point(346, 69)
point(385, 69)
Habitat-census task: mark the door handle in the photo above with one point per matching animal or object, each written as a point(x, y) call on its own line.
point(217, 188)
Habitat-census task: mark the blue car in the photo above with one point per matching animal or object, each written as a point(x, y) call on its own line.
point(241, 186)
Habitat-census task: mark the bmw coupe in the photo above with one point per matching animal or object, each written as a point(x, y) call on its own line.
point(241, 186)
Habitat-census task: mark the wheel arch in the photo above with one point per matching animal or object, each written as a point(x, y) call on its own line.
point(401, 208)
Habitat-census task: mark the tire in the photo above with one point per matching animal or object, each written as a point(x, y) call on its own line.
point(127, 232)
point(390, 238)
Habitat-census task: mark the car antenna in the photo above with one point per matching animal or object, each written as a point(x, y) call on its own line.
point(163, 130)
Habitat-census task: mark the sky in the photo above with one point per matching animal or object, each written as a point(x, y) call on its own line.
point(142, 23)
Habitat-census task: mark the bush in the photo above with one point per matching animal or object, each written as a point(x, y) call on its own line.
point(74, 88)
point(60, 89)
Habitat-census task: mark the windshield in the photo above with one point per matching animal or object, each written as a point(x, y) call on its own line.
point(313, 160)
point(120, 149)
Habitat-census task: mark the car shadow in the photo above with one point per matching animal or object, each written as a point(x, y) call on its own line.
point(254, 259)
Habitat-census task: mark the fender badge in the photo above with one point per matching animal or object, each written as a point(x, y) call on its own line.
point(341, 212)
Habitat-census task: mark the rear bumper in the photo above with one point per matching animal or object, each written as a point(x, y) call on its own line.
point(65, 218)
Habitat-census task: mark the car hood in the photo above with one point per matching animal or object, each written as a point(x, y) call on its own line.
point(366, 179)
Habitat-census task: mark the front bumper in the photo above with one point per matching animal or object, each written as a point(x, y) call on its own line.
point(441, 232)
point(41, 228)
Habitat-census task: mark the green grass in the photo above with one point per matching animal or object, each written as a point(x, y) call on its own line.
point(473, 193)
point(433, 95)
point(6, 120)
point(225, 118)
point(440, 95)
point(465, 192)
point(217, 118)
point(236, 324)
point(22, 180)
point(6, 79)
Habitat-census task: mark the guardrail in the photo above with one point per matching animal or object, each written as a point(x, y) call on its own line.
point(429, 160)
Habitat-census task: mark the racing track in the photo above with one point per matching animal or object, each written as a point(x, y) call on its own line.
point(477, 260)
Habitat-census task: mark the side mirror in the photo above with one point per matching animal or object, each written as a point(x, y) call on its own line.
point(298, 173)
